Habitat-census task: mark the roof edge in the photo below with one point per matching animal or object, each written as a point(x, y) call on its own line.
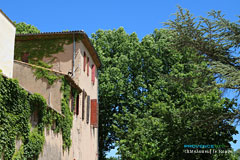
point(86, 40)
point(66, 76)
point(7, 18)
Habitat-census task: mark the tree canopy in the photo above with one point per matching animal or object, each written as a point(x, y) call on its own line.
point(23, 28)
point(161, 93)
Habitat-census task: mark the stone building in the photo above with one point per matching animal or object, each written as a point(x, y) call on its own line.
point(70, 55)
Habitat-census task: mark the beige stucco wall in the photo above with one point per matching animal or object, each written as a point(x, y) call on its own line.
point(63, 60)
point(88, 139)
point(7, 40)
point(24, 74)
point(84, 136)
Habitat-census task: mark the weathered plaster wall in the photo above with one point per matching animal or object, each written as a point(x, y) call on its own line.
point(24, 74)
point(63, 60)
point(84, 136)
point(7, 40)
point(52, 148)
point(87, 139)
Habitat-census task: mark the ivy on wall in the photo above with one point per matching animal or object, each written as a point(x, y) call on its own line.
point(39, 48)
point(16, 107)
point(44, 73)
point(42, 47)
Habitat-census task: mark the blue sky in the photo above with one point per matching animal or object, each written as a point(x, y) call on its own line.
point(137, 16)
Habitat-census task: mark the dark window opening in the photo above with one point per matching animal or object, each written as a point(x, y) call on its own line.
point(83, 104)
point(84, 62)
point(88, 108)
point(77, 105)
point(24, 57)
point(87, 66)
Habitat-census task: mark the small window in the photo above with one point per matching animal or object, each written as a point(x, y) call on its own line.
point(87, 66)
point(77, 105)
point(93, 73)
point(88, 108)
point(84, 62)
point(72, 103)
point(34, 118)
point(83, 104)
point(24, 57)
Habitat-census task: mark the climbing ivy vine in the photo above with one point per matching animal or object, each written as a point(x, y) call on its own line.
point(16, 108)
point(41, 71)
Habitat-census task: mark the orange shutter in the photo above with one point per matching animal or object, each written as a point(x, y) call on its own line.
point(94, 113)
point(93, 73)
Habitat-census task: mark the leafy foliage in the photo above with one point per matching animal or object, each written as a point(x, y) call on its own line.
point(214, 37)
point(41, 71)
point(152, 100)
point(23, 28)
point(16, 108)
point(114, 83)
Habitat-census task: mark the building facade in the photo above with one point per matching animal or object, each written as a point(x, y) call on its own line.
point(68, 54)
point(7, 37)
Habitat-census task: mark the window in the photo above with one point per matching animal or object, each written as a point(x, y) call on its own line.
point(34, 118)
point(87, 66)
point(72, 103)
point(84, 62)
point(94, 113)
point(88, 108)
point(93, 73)
point(77, 105)
point(24, 57)
point(83, 104)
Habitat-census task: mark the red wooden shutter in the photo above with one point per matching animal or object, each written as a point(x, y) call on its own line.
point(83, 102)
point(93, 73)
point(84, 61)
point(94, 113)
point(87, 66)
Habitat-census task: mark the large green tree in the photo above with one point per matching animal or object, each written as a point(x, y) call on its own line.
point(214, 37)
point(152, 100)
point(176, 111)
point(119, 53)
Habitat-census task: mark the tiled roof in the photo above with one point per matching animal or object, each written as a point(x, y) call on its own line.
point(52, 33)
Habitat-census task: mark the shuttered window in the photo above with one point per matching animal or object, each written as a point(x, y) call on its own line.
point(87, 66)
point(83, 104)
point(94, 113)
point(84, 61)
point(77, 105)
point(72, 103)
point(93, 73)
point(88, 108)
